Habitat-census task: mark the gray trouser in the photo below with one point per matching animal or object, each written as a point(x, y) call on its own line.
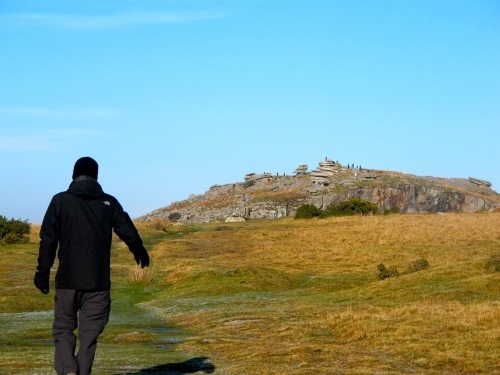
point(89, 311)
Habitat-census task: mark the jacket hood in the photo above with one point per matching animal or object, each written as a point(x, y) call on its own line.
point(86, 189)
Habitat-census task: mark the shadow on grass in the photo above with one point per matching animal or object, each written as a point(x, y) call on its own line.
point(187, 367)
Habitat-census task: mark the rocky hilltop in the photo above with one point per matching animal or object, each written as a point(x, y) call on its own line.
point(274, 196)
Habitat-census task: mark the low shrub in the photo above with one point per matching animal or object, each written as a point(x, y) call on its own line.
point(384, 272)
point(493, 264)
point(418, 265)
point(353, 206)
point(14, 231)
point(174, 216)
point(307, 211)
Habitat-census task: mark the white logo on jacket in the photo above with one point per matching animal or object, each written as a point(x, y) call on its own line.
point(107, 203)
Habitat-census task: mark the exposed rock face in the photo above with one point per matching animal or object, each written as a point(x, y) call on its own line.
point(272, 197)
point(409, 199)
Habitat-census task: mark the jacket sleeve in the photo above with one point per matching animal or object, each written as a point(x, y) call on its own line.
point(126, 231)
point(49, 239)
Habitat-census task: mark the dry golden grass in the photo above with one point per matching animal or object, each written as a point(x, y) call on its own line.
point(293, 297)
point(144, 276)
point(351, 244)
point(438, 321)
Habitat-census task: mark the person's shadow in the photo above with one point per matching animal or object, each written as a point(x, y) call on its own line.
point(190, 366)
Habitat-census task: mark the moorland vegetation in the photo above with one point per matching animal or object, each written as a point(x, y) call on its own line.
point(350, 207)
point(14, 230)
point(283, 296)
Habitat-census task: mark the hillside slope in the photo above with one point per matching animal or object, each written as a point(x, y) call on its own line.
point(273, 196)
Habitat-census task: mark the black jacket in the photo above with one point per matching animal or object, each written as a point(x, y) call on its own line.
point(80, 222)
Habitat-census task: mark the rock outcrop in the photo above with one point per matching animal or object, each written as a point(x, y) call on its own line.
point(271, 197)
point(301, 170)
point(479, 182)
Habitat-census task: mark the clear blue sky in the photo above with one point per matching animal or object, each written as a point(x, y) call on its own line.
point(172, 97)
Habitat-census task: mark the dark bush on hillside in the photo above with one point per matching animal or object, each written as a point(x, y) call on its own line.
point(174, 216)
point(493, 264)
point(418, 265)
point(14, 231)
point(385, 273)
point(307, 211)
point(353, 206)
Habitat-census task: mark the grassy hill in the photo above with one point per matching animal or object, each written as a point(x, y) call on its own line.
point(282, 297)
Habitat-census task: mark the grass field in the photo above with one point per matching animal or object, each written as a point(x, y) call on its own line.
point(282, 297)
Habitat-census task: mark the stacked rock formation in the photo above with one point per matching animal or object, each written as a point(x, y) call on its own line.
point(301, 170)
point(326, 170)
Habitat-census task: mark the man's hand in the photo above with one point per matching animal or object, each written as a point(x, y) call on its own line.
point(42, 281)
point(141, 257)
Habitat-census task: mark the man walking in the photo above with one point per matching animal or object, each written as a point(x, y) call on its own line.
point(78, 225)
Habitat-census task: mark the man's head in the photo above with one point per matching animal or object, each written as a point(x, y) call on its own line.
point(85, 166)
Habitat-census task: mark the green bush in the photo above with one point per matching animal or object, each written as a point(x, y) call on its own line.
point(385, 273)
point(418, 265)
point(493, 264)
point(353, 206)
point(14, 231)
point(307, 211)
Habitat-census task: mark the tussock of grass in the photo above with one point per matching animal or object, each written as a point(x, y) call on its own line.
point(143, 276)
point(493, 263)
